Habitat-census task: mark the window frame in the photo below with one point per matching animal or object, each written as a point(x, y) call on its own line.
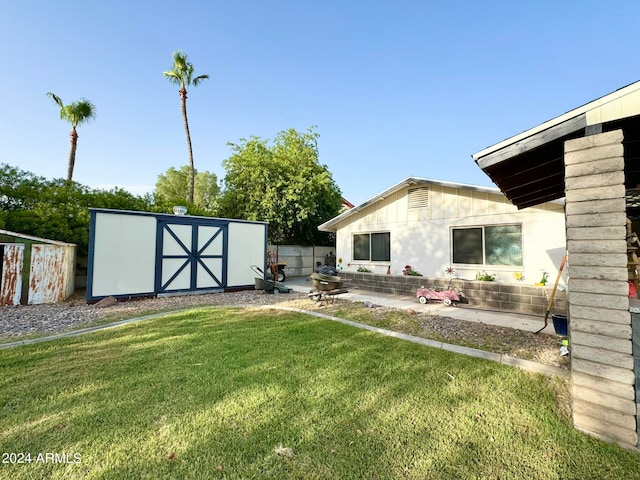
point(484, 245)
point(370, 247)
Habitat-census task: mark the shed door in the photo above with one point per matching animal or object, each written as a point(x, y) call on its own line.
point(191, 256)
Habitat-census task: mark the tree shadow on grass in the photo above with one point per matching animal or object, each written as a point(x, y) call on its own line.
point(180, 396)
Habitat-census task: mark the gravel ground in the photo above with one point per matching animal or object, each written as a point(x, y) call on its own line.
point(21, 320)
point(37, 320)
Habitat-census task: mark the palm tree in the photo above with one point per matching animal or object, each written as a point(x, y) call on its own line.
point(182, 74)
point(75, 113)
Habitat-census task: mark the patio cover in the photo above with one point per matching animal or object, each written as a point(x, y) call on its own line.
point(529, 167)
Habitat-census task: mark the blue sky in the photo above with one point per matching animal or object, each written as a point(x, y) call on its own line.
point(396, 88)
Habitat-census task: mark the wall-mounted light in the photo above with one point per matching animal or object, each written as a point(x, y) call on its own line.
point(179, 210)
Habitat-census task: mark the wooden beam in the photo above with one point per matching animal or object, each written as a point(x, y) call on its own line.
point(528, 176)
point(538, 201)
point(553, 190)
point(546, 136)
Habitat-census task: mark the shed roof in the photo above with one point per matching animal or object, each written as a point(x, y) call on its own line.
point(171, 215)
point(31, 238)
point(329, 226)
point(529, 167)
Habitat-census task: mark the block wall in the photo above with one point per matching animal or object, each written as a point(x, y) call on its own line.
point(491, 295)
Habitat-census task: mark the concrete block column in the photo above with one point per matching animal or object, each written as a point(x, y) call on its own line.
point(635, 325)
point(602, 367)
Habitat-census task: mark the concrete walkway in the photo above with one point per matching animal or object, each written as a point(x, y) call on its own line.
point(520, 321)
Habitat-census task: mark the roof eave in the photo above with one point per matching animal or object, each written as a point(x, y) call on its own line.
point(555, 122)
point(329, 226)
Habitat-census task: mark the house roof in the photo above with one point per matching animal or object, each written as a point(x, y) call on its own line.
point(346, 203)
point(329, 226)
point(529, 167)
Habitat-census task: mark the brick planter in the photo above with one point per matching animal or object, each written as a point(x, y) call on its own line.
point(491, 295)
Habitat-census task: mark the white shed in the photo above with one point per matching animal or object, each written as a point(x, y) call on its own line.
point(146, 254)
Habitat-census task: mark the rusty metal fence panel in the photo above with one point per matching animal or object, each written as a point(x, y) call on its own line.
point(12, 268)
point(49, 278)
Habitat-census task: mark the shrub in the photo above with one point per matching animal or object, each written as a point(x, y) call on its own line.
point(483, 276)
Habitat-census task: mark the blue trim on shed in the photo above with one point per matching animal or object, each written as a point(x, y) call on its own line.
point(90, 254)
point(192, 254)
point(266, 246)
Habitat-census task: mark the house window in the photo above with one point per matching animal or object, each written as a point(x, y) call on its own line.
point(491, 245)
point(374, 247)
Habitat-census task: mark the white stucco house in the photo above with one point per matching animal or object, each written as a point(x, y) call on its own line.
point(432, 225)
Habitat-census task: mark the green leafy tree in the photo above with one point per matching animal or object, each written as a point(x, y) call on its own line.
point(19, 191)
point(56, 209)
point(181, 74)
point(18, 188)
point(172, 187)
point(282, 183)
point(75, 113)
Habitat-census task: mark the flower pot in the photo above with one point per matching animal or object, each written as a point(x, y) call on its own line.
point(560, 324)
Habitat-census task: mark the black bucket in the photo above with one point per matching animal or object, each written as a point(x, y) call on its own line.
point(560, 323)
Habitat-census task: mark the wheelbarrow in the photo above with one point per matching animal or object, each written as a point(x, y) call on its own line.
point(325, 286)
point(267, 284)
point(450, 296)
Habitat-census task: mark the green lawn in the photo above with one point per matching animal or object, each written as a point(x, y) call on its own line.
point(230, 393)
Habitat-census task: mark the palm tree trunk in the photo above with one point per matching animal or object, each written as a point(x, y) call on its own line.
point(72, 153)
point(192, 170)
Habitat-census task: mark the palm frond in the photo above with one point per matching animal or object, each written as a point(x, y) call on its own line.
point(199, 79)
point(78, 112)
point(173, 77)
point(181, 72)
point(56, 99)
point(179, 58)
point(85, 110)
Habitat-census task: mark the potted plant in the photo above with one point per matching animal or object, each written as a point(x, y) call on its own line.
point(408, 270)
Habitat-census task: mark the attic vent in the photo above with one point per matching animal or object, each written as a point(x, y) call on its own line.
point(419, 197)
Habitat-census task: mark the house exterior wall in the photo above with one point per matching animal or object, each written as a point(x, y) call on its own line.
point(421, 237)
point(603, 394)
point(627, 104)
